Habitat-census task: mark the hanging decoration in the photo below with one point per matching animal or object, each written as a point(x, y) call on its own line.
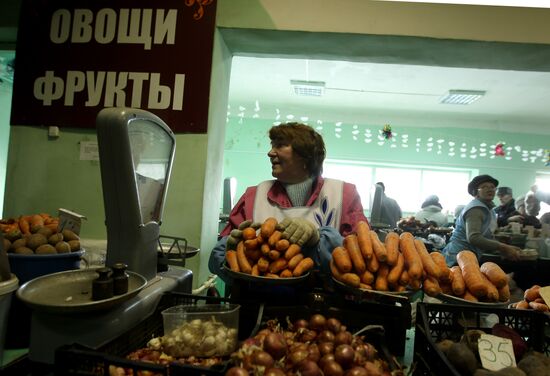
point(386, 131)
point(499, 149)
point(547, 158)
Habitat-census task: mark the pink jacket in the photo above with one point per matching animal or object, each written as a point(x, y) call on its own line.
point(352, 210)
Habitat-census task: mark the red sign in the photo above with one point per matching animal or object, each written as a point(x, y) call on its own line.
point(76, 57)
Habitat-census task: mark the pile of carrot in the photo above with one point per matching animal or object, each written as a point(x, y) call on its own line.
point(14, 228)
point(403, 263)
point(263, 252)
point(532, 300)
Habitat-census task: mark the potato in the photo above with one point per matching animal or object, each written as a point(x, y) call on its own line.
point(55, 238)
point(36, 240)
point(19, 243)
point(24, 251)
point(69, 235)
point(74, 244)
point(62, 247)
point(45, 249)
point(444, 345)
point(462, 358)
point(508, 371)
point(534, 365)
point(46, 231)
point(6, 244)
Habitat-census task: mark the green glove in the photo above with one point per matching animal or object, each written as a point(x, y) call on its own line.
point(299, 231)
point(236, 235)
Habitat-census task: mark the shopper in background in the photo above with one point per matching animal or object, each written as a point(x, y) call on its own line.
point(506, 212)
point(431, 212)
point(476, 223)
point(390, 212)
point(313, 211)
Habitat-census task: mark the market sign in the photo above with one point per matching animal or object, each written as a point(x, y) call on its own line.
point(76, 57)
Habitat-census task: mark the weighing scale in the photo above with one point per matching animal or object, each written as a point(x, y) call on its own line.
point(136, 151)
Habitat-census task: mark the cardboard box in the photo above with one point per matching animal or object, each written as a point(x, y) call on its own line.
point(69, 220)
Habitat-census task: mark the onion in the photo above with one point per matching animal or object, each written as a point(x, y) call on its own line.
point(344, 354)
point(275, 345)
point(326, 359)
point(332, 368)
point(326, 336)
point(273, 371)
point(309, 368)
point(343, 338)
point(357, 371)
point(334, 325)
point(326, 348)
point(262, 358)
point(236, 371)
point(314, 353)
point(301, 323)
point(317, 322)
point(297, 356)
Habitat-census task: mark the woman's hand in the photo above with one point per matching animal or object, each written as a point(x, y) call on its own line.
point(299, 231)
point(509, 252)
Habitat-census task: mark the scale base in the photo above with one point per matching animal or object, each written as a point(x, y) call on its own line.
point(50, 331)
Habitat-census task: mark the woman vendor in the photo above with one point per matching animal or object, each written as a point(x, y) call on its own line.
point(312, 211)
point(476, 223)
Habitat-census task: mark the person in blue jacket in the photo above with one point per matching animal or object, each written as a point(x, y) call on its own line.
point(476, 223)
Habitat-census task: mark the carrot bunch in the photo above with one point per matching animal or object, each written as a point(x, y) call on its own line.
point(263, 252)
point(24, 225)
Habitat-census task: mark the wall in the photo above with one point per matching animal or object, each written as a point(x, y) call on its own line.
point(45, 174)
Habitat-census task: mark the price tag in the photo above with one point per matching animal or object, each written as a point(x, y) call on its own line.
point(545, 294)
point(496, 352)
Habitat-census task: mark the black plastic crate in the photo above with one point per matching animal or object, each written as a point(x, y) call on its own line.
point(435, 322)
point(76, 359)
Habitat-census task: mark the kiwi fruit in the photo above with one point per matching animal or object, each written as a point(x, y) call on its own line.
point(45, 249)
point(55, 238)
point(62, 247)
point(36, 240)
point(24, 251)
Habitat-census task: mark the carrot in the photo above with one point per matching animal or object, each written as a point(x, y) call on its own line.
point(504, 293)
point(277, 265)
point(494, 273)
point(274, 238)
point(367, 278)
point(373, 264)
point(538, 306)
point(396, 270)
point(415, 284)
point(263, 264)
point(54, 226)
point(404, 279)
point(293, 262)
point(439, 260)
point(473, 277)
point(446, 288)
point(413, 264)
point(532, 293)
point(378, 248)
point(427, 262)
point(244, 264)
point(253, 254)
point(249, 233)
point(364, 286)
point(286, 273)
point(342, 260)
point(272, 275)
point(457, 283)
point(255, 270)
point(522, 304)
point(231, 257)
point(351, 279)
point(352, 245)
point(303, 266)
point(431, 286)
point(274, 255)
point(337, 274)
point(264, 248)
point(469, 296)
point(282, 245)
point(292, 251)
point(391, 242)
point(251, 243)
point(24, 225)
point(268, 227)
point(381, 282)
point(363, 238)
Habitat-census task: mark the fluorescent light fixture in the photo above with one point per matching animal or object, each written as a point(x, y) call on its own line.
point(308, 88)
point(461, 96)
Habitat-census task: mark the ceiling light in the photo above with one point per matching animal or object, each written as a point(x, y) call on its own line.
point(308, 88)
point(462, 96)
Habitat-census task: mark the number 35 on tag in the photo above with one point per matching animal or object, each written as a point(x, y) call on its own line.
point(496, 352)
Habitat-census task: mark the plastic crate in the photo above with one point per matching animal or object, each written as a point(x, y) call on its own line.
point(435, 322)
point(76, 359)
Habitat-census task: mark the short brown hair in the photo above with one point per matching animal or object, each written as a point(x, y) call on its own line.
point(305, 141)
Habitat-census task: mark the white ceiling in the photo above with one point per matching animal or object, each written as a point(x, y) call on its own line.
point(405, 95)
